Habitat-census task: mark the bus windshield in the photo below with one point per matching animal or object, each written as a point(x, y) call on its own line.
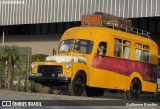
point(83, 46)
point(66, 46)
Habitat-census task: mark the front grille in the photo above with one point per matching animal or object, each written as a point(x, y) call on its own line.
point(48, 70)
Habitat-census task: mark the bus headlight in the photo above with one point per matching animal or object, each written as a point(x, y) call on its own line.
point(68, 65)
point(33, 65)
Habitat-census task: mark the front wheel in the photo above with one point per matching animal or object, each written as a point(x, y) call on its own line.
point(77, 86)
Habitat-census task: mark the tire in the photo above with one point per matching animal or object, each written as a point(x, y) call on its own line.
point(134, 92)
point(91, 91)
point(41, 88)
point(77, 86)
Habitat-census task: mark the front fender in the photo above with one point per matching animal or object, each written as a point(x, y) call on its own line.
point(76, 67)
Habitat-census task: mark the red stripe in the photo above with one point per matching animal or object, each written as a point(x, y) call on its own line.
point(126, 67)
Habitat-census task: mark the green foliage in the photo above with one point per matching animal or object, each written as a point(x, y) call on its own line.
point(15, 68)
point(21, 73)
point(9, 57)
point(2, 66)
point(9, 51)
point(40, 57)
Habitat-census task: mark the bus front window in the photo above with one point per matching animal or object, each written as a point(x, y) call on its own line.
point(66, 46)
point(83, 46)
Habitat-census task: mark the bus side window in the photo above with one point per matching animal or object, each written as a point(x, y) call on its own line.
point(145, 53)
point(102, 48)
point(145, 56)
point(126, 49)
point(138, 52)
point(117, 47)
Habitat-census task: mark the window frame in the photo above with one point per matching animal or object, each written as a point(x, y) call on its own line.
point(142, 48)
point(148, 50)
point(80, 44)
point(122, 45)
point(106, 44)
point(119, 44)
point(139, 48)
point(61, 43)
point(126, 45)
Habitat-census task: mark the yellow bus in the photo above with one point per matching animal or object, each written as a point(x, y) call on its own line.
point(98, 58)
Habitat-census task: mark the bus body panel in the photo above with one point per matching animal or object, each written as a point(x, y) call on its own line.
point(105, 75)
point(111, 72)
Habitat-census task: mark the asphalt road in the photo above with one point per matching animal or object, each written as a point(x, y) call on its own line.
point(113, 101)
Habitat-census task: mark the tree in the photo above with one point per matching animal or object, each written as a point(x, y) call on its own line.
point(10, 55)
point(22, 70)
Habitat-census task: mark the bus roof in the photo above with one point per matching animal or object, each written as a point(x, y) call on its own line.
point(94, 33)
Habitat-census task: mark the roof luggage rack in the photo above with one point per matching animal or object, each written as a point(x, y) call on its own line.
point(107, 20)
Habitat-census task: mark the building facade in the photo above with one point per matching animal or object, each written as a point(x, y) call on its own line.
point(15, 12)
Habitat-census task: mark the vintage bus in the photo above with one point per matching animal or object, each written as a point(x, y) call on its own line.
point(127, 63)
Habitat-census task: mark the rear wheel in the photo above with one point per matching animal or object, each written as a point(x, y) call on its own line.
point(134, 92)
point(77, 86)
point(41, 88)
